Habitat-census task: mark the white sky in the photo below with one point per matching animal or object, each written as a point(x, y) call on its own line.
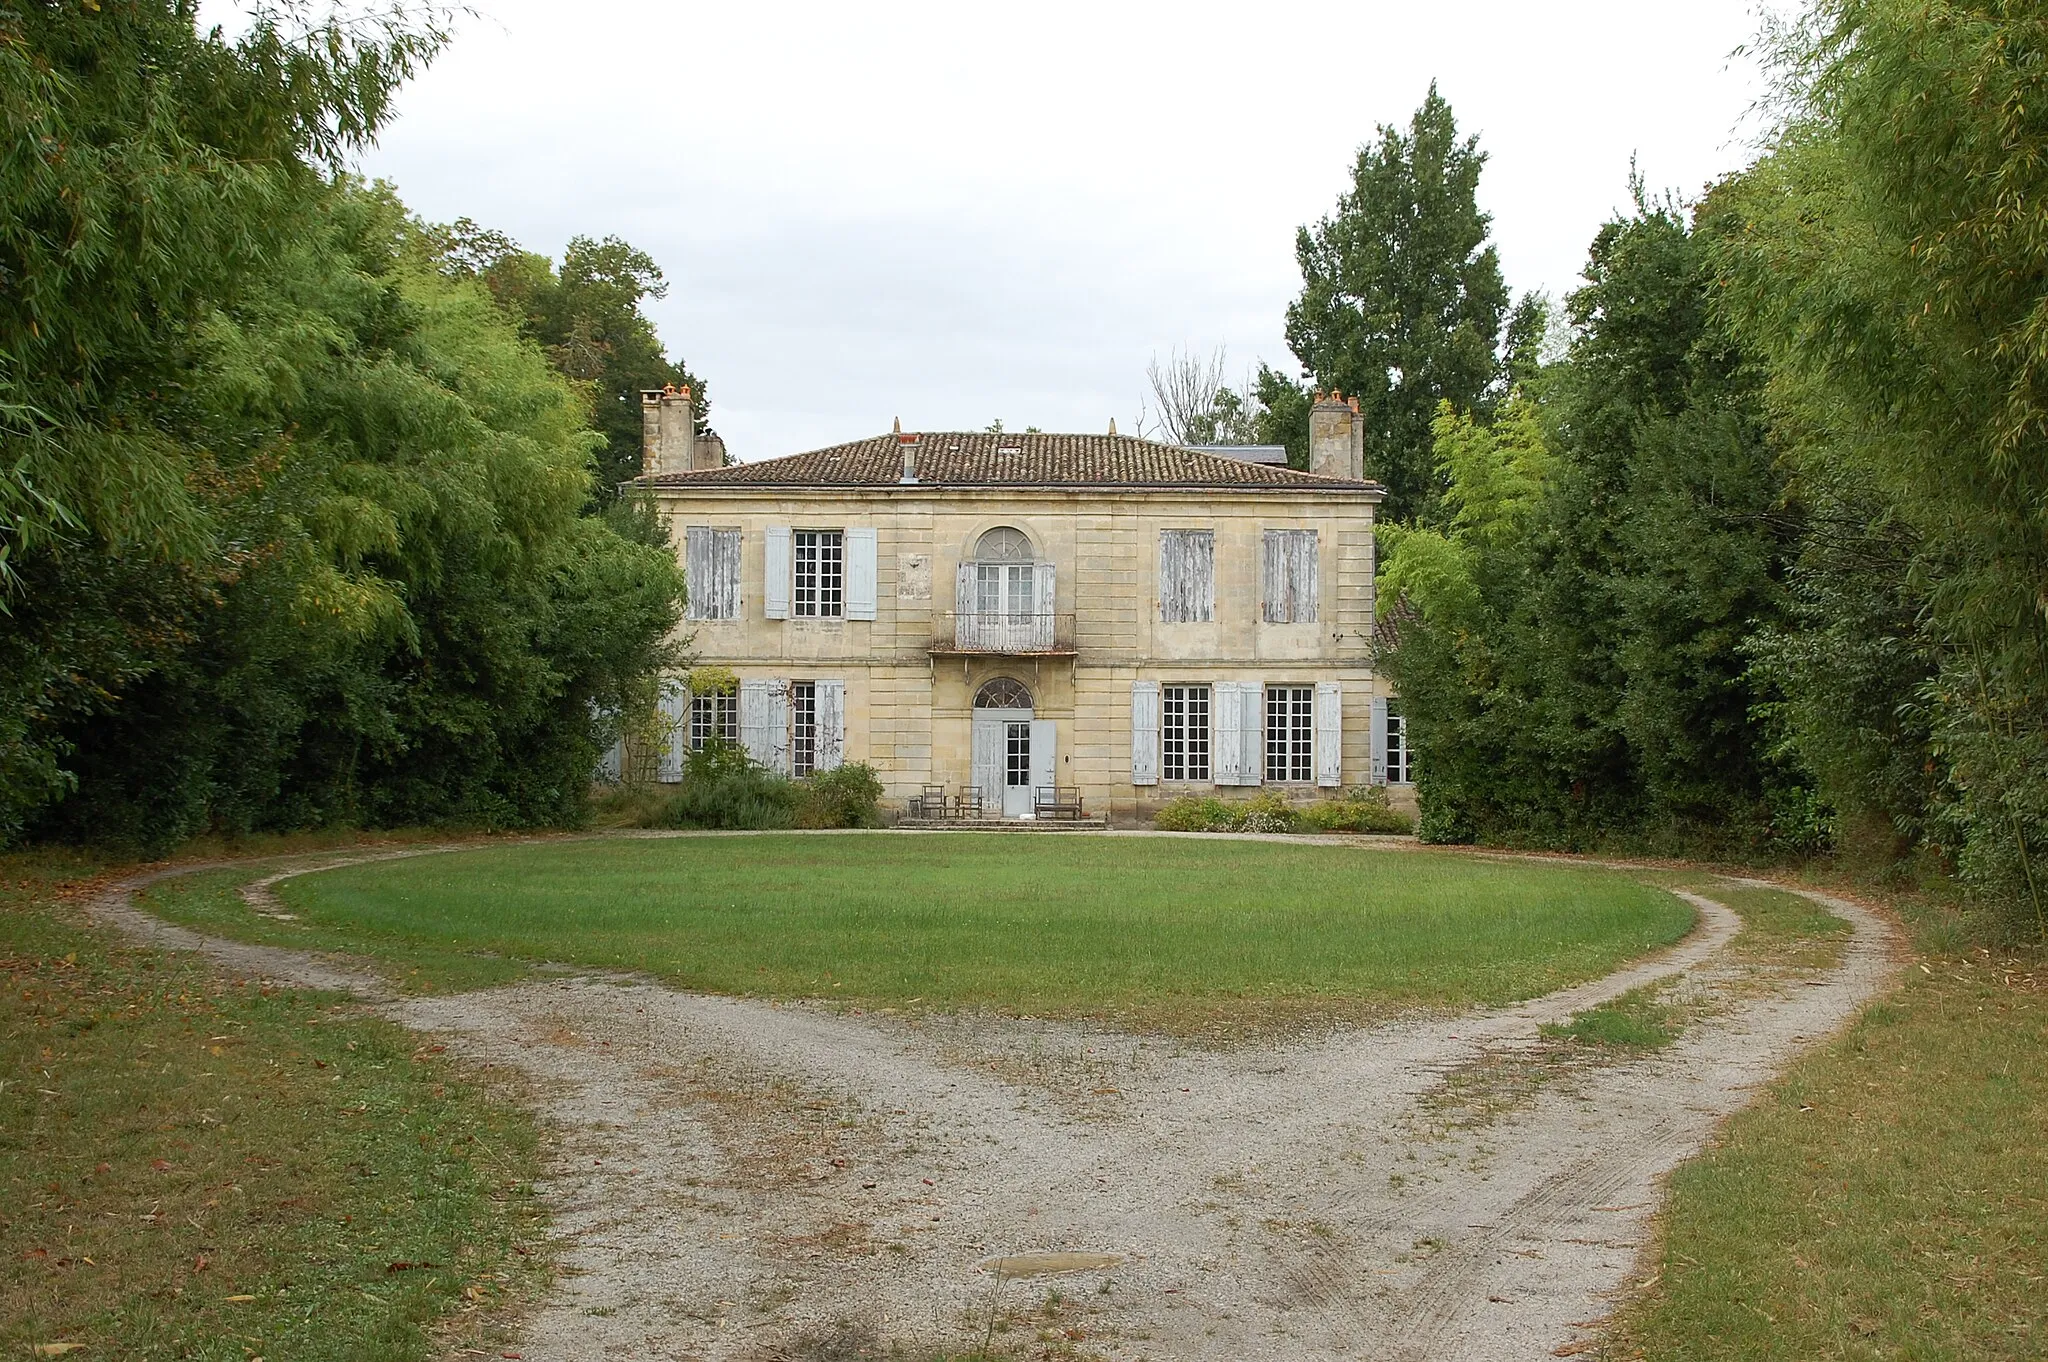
point(957, 212)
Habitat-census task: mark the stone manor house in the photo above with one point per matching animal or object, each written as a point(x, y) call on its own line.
point(1131, 619)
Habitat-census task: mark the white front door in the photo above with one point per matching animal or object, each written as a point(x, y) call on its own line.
point(1002, 761)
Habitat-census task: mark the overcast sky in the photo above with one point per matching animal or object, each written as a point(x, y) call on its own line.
point(956, 212)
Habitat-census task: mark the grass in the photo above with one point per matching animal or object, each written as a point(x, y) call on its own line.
point(1640, 1019)
point(1886, 1198)
point(1169, 932)
point(199, 1168)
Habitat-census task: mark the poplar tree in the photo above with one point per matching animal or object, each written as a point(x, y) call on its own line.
point(1402, 300)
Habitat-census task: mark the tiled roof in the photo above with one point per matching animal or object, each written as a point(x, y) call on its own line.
point(979, 459)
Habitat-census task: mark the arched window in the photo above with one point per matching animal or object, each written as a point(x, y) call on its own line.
point(1003, 693)
point(1005, 578)
point(1003, 545)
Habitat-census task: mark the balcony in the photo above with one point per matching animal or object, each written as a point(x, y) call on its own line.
point(1003, 633)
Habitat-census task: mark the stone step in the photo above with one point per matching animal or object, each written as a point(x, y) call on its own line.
point(1004, 824)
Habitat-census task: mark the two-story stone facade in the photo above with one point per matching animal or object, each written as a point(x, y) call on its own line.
point(1015, 611)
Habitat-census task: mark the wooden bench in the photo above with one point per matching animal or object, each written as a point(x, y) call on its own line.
point(1057, 801)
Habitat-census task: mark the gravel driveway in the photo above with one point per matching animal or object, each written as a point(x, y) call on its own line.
point(745, 1180)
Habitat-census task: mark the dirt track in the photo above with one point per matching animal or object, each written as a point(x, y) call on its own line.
point(745, 1180)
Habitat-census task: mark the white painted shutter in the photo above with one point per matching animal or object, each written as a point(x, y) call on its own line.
point(724, 602)
point(1379, 740)
point(775, 573)
point(675, 719)
point(1329, 734)
point(1228, 716)
point(860, 573)
point(1045, 742)
point(1253, 733)
point(611, 767)
point(1144, 733)
point(988, 764)
point(831, 724)
point(754, 720)
point(778, 725)
point(1048, 597)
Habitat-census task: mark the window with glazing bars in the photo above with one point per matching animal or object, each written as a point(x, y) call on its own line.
point(1184, 733)
point(1017, 755)
point(1290, 733)
point(713, 716)
point(820, 573)
point(803, 727)
point(1400, 761)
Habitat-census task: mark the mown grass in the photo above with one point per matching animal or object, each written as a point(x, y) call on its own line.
point(1887, 1198)
point(1154, 928)
point(199, 1168)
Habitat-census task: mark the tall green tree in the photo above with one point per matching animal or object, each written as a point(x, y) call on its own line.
point(1891, 267)
point(587, 315)
point(1402, 299)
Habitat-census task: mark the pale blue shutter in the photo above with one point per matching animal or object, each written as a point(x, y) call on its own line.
point(675, 723)
point(1251, 734)
point(775, 573)
point(1329, 734)
point(778, 726)
point(754, 720)
point(1379, 740)
point(1225, 744)
point(1045, 742)
point(860, 573)
point(1144, 732)
point(831, 724)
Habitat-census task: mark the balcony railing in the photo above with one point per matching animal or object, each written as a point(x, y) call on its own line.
point(1003, 631)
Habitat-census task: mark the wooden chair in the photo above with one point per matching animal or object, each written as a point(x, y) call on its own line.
point(967, 804)
point(1057, 801)
point(930, 803)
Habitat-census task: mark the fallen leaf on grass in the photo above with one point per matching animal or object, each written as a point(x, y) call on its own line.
point(57, 1349)
point(238, 1298)
point(1584, 1345)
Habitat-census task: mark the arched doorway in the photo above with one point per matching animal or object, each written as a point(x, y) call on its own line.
point(1013, 750)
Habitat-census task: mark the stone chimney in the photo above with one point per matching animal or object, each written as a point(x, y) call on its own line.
point(908, 444)
point(668, 434)
point(1336, 438)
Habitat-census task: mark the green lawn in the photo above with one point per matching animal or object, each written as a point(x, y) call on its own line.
point(194, 1167)
point(1154, 929)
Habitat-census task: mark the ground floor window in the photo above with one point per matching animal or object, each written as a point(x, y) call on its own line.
point(714, 716)
point(803, 727)
point(1290, 734)
point(1184, 736)
point(1400, 760)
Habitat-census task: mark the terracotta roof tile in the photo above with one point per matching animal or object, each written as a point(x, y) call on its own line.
point(980, 459)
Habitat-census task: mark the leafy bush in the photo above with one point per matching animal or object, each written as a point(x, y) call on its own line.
point(846, 797)
point(1265, 812)
point(1362, 808)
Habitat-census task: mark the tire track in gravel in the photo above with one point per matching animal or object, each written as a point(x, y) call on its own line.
point(731, 1176)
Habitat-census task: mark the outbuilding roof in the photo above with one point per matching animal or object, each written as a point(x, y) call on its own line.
point(985, 459)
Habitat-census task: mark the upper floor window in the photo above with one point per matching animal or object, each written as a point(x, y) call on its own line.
point(1187, 576)
point(1289, 572)
point(820, 573)
point(711, 564)
point(1005, 577)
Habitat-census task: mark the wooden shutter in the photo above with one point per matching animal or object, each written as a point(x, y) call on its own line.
point(966, 631)
point(1048, 599)
point(755, 717)
point(1288, 560)
point(860, 573)
point(675, 721)
point(775, 573)
point(1224, 745)
point(1251, 698)
point(1329, 734)
point(1045, 740)
point(1144, 733)
point(831, 724)
point(1379, 740)
point(698, 571)
point(725, 576)
point(778, 725)
point(1187, 576)
point(987, 757)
